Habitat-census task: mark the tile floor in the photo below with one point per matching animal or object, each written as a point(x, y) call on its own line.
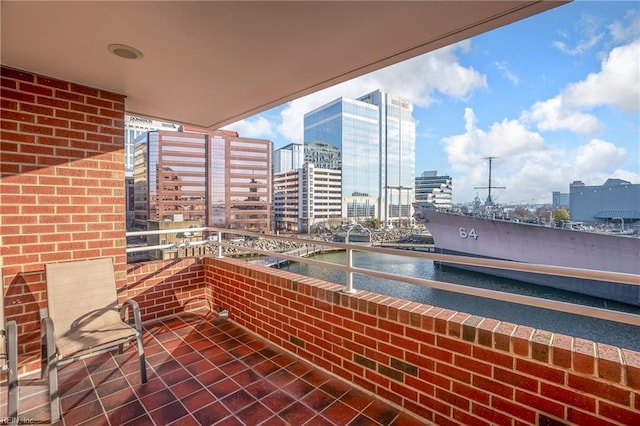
point(203, 370)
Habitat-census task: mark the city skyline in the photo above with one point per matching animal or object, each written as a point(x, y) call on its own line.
point(565, 98)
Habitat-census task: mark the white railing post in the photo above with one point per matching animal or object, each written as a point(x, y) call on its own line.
point(349, 278)
point(219, 244)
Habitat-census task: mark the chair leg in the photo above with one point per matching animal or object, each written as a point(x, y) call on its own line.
point(12, 374)
point(143, 364)
point(54, 396)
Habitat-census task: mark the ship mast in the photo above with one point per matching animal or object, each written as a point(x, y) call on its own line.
point(489, 201)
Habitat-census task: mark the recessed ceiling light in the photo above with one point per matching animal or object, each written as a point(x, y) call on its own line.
point(124, 51)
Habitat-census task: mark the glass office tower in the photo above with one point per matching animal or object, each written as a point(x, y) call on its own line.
point(376, 138)
point(354, 128)
point(397, 156)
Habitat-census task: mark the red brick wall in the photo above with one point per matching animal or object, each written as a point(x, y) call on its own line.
point(62, 193)
point(448, 367)
point(167, 287)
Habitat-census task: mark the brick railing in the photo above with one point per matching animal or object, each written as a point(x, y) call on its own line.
point(445, 366)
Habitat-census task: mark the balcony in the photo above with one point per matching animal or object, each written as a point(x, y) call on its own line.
point(295, 349)
point(204, 369)
point(63, 199)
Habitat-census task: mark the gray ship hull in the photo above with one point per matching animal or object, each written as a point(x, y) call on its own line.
point(505, 240)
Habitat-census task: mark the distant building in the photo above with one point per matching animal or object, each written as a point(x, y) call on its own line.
point(170, 178)
point(375, 137)
point(323, 155)
point(240, 182)
point(615, 200)
point(559, 200)
point(307, 198)
point(214, 178)
point(286, 200)
point(436, 189)
point(321, 197)
point(288, 157)
point(134, 128)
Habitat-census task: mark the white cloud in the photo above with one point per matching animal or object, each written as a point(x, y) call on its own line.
point(421, 80)
point(598, 156)
point(529, 168)
point(588, 29)
point(505, 69)
point(627, 30)
point(553, 114)
point(615, 85)
point(254, 127)
point(509, 141)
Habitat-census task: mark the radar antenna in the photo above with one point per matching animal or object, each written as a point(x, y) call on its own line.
point(489, 201)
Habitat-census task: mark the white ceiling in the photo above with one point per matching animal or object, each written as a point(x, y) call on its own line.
point(209, 63)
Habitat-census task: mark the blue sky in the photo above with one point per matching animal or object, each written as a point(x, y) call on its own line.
point(555, 97)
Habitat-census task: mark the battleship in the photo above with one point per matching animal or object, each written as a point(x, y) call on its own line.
point(493, 238)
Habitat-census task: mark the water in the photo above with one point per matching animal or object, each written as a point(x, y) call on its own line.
point(603, 331)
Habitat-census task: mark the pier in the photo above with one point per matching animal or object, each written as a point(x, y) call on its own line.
point(429, 248)
point(299, 252)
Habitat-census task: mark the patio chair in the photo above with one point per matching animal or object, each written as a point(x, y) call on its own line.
point(84, 319)
point(9, 362)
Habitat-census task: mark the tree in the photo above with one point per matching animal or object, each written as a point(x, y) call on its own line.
point(561, 215)
point(372, 223)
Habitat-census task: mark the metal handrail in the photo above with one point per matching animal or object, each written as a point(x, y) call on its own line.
point(349, 269)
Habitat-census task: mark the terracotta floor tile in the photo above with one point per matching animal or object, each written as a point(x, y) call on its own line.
point(158, 399)
point(297, 413)
point(339, 413)
point(223, 388)
point(260, 388)
point(246, 377)
point(117, 399)
point(198, 400)
point(277, 401)
point(211, 414)
point(82, 413)
point(238, 401)
point(318, 400)
point(168, 413)
point(335, 387)
point(204, 371)
point(96, 421)
point(124, 413)
point(298, 388)
point(254, 414)
point(210, 377)
point(186, 388)
point(356, 399)
point(380, 412)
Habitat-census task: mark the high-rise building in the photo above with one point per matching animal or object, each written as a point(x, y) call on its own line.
point(307, 198)
point(239, 182)
point(559, 200)
point(397, 155)
point(136, 128)
point(321, 198)
point(323, 155)
point(288, 157)
point(436, 189)
point(206, 178)
point(375, 137)
point(170, 178)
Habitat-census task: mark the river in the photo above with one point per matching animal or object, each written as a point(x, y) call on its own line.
point(603, 331)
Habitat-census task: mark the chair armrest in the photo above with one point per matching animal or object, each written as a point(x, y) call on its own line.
point(48, 345)
point(136, 313)
point(47, 331)
point(11, 332)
